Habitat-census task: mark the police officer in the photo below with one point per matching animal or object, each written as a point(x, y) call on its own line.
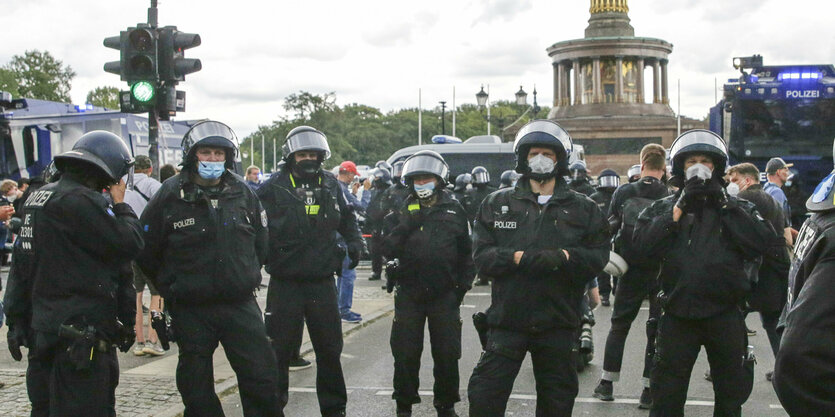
point(306, 208)
point(639, 282)
point(702, 236)
point(541, 243)
point(396, 195)
point(206, 237)
point(380, 179)
point(459, 191)
point(71, 277)
point(432, 243)
point(803, 373)
point(481, 189)
point(508, 179)
point(580, 178)
point(607, 182)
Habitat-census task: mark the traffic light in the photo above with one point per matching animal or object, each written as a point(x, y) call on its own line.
point(119, 43)
point(173, 66)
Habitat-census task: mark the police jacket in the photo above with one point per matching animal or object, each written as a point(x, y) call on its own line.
point(70, 258)
point(582, 186)
point(302, 239)
point(204, 245)
point(475, 197)
point(434, 248)
point(769, 293)
point(376, 211)
point(702, 254)
point(805, 365)
point(603, 198)
point(647, 187)
point(512, 220)
point(394, 198)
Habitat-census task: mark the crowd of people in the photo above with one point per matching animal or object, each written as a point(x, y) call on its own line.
point(551, 240)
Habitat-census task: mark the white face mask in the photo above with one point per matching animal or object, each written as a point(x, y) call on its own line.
point(11, 197)
point(733, 189)
point(699, 170)
point(541, 164)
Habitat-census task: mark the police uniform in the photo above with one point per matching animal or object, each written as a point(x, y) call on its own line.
point(432, 244)
point(703, 280)
point(376, 213)
point(305, 214)
point(535, 308)
point(638, 283)
point(71, 268)
point(803, 372)
point(205, 245)
point(608, 182)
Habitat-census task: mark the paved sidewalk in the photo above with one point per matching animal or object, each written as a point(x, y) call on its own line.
point(149, 389)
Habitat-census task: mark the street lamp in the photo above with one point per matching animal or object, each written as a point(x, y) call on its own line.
point(535, 109)
point(443, 109)
point(521, 97)
point(482, 100)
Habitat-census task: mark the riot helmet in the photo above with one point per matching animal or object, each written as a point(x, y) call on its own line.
point(397, 170)
point(462, 180)
point(306, 138)
point(480, 175)
point(544, 133)
point(425, 162)
point(508, 179)
point(634, 173)
point(383, 164)
point(608, 178)
point(578, 170)
point(823, 199)
point(381, 179)
point(104, 151)
point(209, 133)
point(699, 141)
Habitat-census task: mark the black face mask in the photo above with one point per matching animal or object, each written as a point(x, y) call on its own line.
point(308, 167)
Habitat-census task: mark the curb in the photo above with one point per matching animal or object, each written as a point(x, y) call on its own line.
point(226, 386)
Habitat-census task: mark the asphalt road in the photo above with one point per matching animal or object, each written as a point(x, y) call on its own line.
point(368, 367)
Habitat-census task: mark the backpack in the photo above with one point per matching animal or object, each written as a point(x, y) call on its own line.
point(629, 218)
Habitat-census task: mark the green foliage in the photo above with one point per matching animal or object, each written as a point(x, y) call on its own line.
point(8, 82)
point(40, 76)
point(107, 97)
point(365, 135)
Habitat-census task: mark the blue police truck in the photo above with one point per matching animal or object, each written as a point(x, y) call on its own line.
point(779, 110)
point(32, 132)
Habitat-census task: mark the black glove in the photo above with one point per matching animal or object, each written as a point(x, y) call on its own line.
point(694, 189)
point(18, 336)
point(542, 261)
point(459, 294)
point(354, 256)
point(125, 337)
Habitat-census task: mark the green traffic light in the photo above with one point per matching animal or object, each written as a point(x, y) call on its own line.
point(143, 91)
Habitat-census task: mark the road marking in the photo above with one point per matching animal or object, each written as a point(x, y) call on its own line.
point(775, 406)
point(468, 306)
point(478, 294)
point(310, 390)
point(532, 397)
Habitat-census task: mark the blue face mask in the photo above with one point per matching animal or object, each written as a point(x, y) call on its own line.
point(211, 170)
point(425, 190)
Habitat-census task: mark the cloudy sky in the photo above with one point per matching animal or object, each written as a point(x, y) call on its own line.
point(379, 53)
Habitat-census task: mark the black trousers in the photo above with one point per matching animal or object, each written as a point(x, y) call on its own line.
point(289, 303)
point(377, 253)
point(410, 317)
point(634, 286)
point(57, 389)
point(679, 342)
point(607, 284)
point(553, 367)
point(240, 329)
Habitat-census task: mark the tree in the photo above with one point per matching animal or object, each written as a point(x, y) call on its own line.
point(107, 97)
point(40, 76)
point(8, 83)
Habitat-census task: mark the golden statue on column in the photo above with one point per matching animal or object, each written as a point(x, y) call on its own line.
point(603, 6)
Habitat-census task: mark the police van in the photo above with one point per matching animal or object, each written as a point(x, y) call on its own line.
point(33, 131)
point(462, 156)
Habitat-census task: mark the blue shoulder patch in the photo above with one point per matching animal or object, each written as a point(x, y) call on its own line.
point(110, 212)
point(146, 228)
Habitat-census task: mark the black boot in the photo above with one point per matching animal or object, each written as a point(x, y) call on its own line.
point(645, 403)
point(604, 391)
point(446, 411)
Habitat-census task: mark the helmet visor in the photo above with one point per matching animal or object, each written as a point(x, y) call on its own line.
point(425, 164)
point(481, 177)
point(307, 141)
point(609, 182)
point(699, 140)
point(211, 130)
point(538, 127)
point(634, 170)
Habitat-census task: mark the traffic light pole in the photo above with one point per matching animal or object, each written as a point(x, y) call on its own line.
point(153, 114)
